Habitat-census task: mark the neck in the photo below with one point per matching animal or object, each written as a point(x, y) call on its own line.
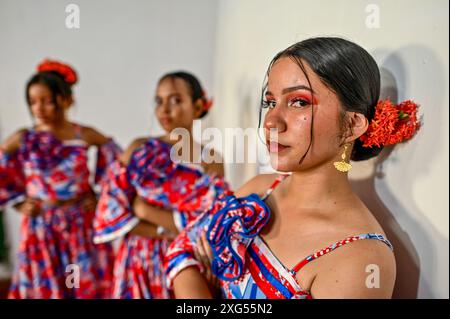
point(319, 187)
point(54, 126)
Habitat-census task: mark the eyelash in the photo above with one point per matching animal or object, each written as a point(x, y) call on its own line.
point(271, 104)
point(32, 102)
point(172, 101)
point(303, 102)
point(175, 100)
point(266, 104)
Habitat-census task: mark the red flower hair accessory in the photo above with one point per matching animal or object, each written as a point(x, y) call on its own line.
point(208, 103)
point(391, 124)
point(66, 71)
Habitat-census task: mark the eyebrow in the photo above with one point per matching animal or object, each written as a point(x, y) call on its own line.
point(293, 88)
point(170, 95)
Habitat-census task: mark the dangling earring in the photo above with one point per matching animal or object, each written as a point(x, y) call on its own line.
point(342, 165)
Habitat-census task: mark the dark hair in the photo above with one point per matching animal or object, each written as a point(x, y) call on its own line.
point(345, 68)
point(194, 86)
point(53, 81)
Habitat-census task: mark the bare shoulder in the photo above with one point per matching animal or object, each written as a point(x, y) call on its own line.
point(126, 155)
point(361, 269)
point(12, 143)
point(92, 136)
point(258, 184)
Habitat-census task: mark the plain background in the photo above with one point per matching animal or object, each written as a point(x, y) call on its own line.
point(123, 47)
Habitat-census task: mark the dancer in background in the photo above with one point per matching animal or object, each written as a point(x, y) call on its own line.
point(151, 196)
point(44, 171)
point(303, 233)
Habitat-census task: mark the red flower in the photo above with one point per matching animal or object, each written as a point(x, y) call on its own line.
point(207, 103)
point(66, 71)
point(391, 124)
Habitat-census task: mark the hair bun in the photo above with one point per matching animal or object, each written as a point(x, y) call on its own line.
point(64, 70)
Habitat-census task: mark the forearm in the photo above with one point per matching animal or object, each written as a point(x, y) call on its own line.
point(159, 216)
point(146, 229)
point(190, 284)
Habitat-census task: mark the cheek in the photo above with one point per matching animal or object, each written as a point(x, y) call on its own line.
point(50, 109)
point(327, 132)
point(301, 128)
point(33, 109)
point(184, 113)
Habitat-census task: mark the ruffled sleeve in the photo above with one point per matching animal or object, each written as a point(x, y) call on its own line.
point(230, 225)
point(107, 154)
point(144, 173)
point(114, 216)
point(180, 254)
point(201, 198)
point(12, 178)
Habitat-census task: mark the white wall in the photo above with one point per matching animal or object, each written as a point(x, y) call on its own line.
point(123, 47)
point(120, 51)
point(408, 190)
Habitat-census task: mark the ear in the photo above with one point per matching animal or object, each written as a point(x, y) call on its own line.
point(198, 108)
point(358, 125)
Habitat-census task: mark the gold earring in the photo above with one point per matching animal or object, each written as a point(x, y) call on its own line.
point(342, 165)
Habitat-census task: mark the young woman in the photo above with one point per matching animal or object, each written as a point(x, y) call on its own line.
point(44, 170)
point(301, 233)
point(154, 192)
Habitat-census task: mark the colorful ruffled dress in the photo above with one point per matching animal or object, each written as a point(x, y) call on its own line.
point(151, 174)
point(244, 264)
point(57, 257)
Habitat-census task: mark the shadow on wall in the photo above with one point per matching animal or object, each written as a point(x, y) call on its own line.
point(417, 245)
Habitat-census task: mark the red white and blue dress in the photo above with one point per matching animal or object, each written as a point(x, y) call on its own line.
point(244, 264)
point(57, 245)
point(151, 174)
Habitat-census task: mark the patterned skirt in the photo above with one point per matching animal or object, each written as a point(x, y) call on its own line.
point(138, 269)
point(57, 258)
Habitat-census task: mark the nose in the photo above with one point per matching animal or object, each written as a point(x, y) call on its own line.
point(38, 108)
point(165, 107)
point(274, 120)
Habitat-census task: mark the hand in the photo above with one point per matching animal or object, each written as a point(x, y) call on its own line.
point(140, 207)
point(153, 214)
point(166, 234)
point(29, 207)
point(203, 253)
point(90, 203)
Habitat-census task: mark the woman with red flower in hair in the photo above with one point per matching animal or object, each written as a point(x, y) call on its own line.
point(44, 174)
point(303, 233)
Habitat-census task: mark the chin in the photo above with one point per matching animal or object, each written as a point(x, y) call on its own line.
point(43, 122)
point(280, 164)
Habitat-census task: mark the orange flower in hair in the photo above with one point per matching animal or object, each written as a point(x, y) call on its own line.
point(66, 71)
point(391, 124)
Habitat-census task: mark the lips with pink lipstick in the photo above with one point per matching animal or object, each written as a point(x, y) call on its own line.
point(275, 147)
